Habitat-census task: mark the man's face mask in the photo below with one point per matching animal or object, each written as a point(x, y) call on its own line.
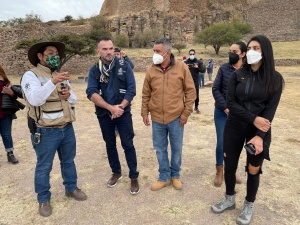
point(53, 61)
point(158, 59)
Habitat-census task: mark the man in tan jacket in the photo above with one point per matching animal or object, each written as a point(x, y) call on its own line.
point(168, 95)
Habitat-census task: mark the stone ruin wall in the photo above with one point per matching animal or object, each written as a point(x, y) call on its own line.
point(279, 20)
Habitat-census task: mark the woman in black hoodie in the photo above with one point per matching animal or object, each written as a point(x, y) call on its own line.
point(253, 94)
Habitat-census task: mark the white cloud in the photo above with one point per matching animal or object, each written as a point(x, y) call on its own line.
point(49, 9)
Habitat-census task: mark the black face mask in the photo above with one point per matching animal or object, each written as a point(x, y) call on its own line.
point(233, 58)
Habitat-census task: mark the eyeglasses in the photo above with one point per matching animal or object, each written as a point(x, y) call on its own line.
point(192, 54)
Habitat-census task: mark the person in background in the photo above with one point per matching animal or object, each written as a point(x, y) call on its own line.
point(195, 67)
point(50, 103)
point(183, 58)
point(201, 76)
point(111, 87)
point(6, 118)
point(210, 68)
point(168, 95)
point(236, 54)
point(122, 55)
point(253, 94)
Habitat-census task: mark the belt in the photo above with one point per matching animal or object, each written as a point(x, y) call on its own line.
point(58, 126)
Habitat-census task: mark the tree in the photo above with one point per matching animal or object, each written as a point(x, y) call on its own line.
point(122, 41)
point(98, 22)
point(95, 34)
point(32, 18)
point(68, 18)
point(220, 34)
point(179, 47)
point(29, 18)
point(75, 45)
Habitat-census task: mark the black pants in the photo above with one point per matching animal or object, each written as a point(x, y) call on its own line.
point(197, 96)
point(125, 129)
point(236, 133)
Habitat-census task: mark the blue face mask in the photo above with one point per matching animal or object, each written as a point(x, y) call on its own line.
point(192, 57)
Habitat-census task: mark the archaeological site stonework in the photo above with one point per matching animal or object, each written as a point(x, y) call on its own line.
point(180, 20)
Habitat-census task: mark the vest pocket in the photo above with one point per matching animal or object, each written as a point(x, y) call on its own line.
point(52, 115)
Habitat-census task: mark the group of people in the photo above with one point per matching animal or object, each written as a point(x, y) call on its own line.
point(247, 91)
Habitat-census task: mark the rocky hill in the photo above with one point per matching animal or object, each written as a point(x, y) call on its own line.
point(277, 19)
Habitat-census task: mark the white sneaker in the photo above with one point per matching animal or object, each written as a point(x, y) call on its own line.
point(226, 203)
point(246, 215)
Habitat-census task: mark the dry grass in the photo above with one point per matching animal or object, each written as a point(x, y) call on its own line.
point(282, 50)
point(277, 199)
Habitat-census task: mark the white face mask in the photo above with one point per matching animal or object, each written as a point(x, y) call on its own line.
point(158, 59)
point(253, 57)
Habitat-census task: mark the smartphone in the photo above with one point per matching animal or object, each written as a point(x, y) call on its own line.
point(250, 148)
point(37, 138)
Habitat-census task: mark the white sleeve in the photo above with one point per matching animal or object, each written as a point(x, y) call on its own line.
point(72, 99)
point(35, 93)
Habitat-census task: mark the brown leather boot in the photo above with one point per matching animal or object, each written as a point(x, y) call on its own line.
point(219, 176)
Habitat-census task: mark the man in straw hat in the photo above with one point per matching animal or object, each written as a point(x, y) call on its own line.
point(51, 112)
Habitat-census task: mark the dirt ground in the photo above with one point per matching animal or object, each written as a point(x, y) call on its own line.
point(278, 199)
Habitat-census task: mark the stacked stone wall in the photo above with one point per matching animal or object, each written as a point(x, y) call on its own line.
point(277, 19)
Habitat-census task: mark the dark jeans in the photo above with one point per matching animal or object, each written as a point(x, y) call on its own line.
point(5, 132)
point(201, 79)
point(125, 128)
point(236, 133)
point(220, 118)
point(62, 141)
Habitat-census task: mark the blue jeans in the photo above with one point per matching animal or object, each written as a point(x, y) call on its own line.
point(125, 129)
point(160, 134)
point(220, 118)
point(63, 141)
point(5, 131)
point(201, 79)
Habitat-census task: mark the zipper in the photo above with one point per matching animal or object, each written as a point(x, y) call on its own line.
point(163, 92)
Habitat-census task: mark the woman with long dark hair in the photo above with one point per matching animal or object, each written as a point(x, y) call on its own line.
point(6, 118)
point(253, 94)
point(236, 55)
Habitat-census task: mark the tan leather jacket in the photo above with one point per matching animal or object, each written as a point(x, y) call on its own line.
point(167, 95)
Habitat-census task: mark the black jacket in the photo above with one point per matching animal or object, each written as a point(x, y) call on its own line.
point(219, 88)
point(11, 105)
point(247, 99)
point(195, 71)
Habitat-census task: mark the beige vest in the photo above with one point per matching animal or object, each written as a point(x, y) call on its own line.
point(55, 112)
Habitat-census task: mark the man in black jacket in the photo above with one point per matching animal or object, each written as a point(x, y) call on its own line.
point(196, 67)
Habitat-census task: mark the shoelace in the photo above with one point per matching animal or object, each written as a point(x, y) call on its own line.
point(248, 208)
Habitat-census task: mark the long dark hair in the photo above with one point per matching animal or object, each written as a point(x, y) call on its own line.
point(243, 48)
point(2, 73)
point(271, 79)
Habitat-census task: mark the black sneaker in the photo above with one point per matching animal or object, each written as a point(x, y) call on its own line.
point(11, 158)
point(134, 188)
point(114, 179)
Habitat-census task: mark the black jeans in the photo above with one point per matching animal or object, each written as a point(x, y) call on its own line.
point(197, 96)
point(236, 133)
point(125, 129)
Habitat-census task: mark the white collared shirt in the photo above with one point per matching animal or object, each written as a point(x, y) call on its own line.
point(37, 94)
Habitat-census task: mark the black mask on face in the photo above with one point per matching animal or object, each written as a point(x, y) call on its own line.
point(233, 58)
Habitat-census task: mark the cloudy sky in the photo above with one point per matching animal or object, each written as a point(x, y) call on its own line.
point(49, 9)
